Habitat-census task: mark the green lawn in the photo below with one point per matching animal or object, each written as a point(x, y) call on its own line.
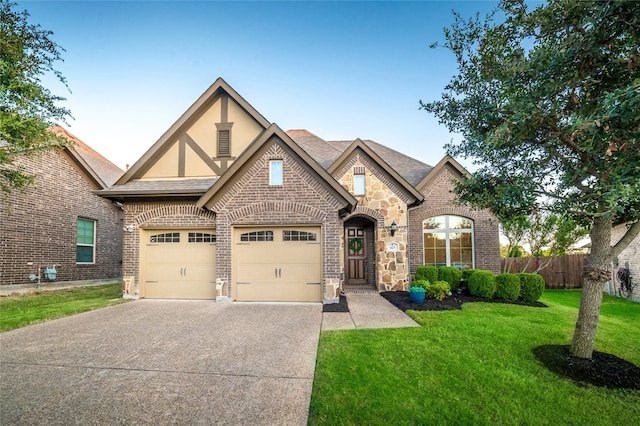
point(473, 366)
point(18, 311)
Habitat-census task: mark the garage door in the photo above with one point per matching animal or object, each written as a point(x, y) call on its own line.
point(277, 264)
point(178, 264)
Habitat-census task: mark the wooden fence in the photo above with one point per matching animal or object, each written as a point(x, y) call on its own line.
point(562, 271)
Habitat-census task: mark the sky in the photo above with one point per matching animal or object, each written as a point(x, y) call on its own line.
point(342, 70)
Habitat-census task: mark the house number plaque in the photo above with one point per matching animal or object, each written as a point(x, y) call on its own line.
point(393, 246)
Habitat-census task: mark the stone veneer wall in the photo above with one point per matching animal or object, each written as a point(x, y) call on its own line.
point(301, 200)
point(383, 203)
point(440, 200)
point(39, 223)
point(630, 254)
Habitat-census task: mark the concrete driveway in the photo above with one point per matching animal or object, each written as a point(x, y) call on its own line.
point(163, 362)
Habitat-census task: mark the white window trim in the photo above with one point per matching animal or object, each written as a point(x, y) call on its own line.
point(93, 256)
point(447, 231)
point(364, 185)
point(271, 163)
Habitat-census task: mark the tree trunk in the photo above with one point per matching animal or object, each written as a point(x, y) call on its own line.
point(594, 275)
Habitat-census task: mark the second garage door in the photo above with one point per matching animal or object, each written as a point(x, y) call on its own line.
point(277, 264)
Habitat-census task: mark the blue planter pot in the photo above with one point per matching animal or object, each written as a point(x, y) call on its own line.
point(417, 297)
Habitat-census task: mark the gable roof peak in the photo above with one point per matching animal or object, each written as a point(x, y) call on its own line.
point(100, 169)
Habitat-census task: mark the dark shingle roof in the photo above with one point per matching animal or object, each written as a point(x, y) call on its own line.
point(326, 152)
point(316, 147)
point(197, 186)
point(108, 172)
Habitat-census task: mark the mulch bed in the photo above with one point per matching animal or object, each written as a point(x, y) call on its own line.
point(603, 369)
point(343, 306)
point(401, 300)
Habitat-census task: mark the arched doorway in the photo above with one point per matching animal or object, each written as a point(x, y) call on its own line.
point(359, 254)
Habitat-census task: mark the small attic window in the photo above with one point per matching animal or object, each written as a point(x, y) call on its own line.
point(276, 175)
point(224, 139)
point(359, 181)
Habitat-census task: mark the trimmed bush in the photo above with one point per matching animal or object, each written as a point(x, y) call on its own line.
point(483, 284)
point(466, 273)
point(421, 283)
point(427, 273)
point(507, 286)
point(531, 287)
point(438, 290)
point(451, 275)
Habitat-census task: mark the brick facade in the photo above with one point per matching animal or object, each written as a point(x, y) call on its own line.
point(440, 200)
point(39, 223)
point(301, 200)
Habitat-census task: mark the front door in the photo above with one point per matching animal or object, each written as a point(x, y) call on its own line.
point(356, 248)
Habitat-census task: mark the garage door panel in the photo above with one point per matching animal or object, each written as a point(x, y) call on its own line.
point(181, 268)
point(279, 269)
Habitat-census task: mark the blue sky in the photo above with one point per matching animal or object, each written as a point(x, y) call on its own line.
point(341, 70)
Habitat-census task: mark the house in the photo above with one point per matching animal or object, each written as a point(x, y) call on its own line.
point(60, 220)
point(228, 206)
point(628, 258)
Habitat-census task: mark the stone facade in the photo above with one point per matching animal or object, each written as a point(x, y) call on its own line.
point(39, 224)
point(630, 254)
point(383, 204)
point(440, 200)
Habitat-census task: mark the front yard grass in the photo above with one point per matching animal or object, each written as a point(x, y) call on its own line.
point(473, 366)
point(18, 311)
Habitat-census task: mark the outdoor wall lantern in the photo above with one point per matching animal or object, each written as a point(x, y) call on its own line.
point(394, 228)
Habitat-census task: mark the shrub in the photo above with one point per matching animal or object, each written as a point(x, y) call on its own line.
point(438, 290)
point(450, 275)
point(466, 273)
point(531, 287)
point(421, 283)
point(415, 289)
point(483, 284)
point(507, 286)
point(427, 273)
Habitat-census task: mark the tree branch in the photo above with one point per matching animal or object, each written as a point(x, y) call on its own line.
point(624, 242)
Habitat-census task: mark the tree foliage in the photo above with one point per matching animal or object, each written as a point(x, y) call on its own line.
point(27, 108)
point(547, 103)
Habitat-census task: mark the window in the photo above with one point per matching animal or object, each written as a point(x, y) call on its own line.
point(201, 237)
point(298, 236)
point(275, 173)
point(85, 240)
point(358, 181)
point(169, 237)
point(257, 236)
point(448, 241)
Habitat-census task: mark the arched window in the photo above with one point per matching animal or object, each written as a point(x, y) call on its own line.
point(448, 241)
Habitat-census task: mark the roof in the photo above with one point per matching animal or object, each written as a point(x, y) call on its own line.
point(98, 167)
point(164, 187)
point(327, 152)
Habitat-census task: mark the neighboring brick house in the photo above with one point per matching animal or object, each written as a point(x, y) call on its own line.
point(226, 204)
point(60, 220)
point(631, 256)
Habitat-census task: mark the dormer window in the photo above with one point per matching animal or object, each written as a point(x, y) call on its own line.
point(224, 139)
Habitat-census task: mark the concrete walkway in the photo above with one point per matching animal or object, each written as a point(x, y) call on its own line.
point(366, 311)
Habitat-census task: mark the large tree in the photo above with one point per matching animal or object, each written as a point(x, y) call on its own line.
point(548, 105)
point(27, 108)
